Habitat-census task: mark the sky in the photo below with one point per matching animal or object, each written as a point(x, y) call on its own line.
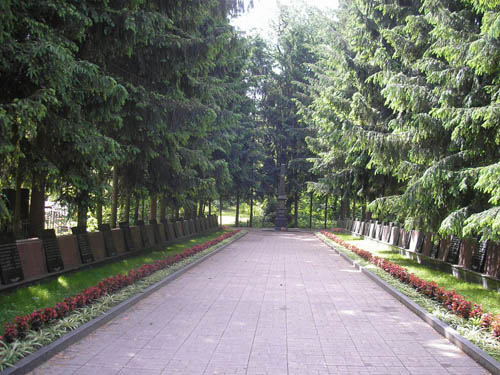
point(264, 10)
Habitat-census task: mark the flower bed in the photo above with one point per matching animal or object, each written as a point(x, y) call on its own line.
point(18, 329)
point(451, 300)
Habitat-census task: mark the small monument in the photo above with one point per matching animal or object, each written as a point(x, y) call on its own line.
point(281, 214)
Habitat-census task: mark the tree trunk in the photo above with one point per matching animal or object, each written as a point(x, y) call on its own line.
point(114, 202)
point(126, 210)
point(83, 208)
point(310, 208)
point(16, 219)
point(98, 213)
point(143, 209)
point(163, 208)
point(177, 213)
point(154, 200)
point(136, 210)
point(237, 218)
point(37, 205)
point(326, 209)
point(209, 207)
point(296, 210)
point(363, 212)
point(251, 209)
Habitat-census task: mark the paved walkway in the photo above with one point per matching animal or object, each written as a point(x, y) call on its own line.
point(271, 303)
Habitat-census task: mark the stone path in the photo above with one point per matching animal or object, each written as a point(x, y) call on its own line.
point(271, 303)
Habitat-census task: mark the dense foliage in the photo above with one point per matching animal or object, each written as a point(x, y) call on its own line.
point(405, 102)
point(384, 109)
point(137, 97)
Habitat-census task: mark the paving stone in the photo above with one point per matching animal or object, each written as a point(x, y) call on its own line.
point(271, 303)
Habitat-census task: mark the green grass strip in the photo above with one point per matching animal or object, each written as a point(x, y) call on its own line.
point(47, 293)
point(489, 299)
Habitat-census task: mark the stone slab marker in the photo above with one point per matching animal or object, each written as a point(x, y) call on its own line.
point(82, 239)
point(10, 263)
point(156, 230)
point(109, 244)
point(144, 234)
point(127, 236)
point(52, 251)
point(479, 257)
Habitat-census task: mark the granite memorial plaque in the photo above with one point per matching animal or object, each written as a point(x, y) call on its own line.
point(51, 250)
point(156, 230)
point(82, 240)
point(144, 234)
point(11, 270)
point(479, 257)
point(435, 249)
point(165, 229)
point(127, 236)
point(185, 228)
point(109, 245)
point(453, 250)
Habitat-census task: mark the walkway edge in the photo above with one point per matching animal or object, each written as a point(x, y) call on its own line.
point(35, 359)
point(481, 357)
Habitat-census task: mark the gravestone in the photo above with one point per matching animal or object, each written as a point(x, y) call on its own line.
point(127, 236)
point(175, 230)
point(171, 231)
point(51, 250)
point(109, 245)
point(373, 229)
point(435, 248)
point(82, 240)
point(416, 241)
point(479, 257)
point(394, 238)
point(453, 250)
point(407, 240)
point(156, 230)
point(11, 270)
point(165, 229)
point(281, 220)
point(144, 234)
point(178, 229)
point(185, 228)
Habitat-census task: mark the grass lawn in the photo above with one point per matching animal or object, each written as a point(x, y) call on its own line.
point(489, 299)
point(24, 300)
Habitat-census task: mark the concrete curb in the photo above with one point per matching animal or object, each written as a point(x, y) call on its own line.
point(442, 328)
point(35, 359)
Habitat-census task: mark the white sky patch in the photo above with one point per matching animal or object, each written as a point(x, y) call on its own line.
point(259, 18)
